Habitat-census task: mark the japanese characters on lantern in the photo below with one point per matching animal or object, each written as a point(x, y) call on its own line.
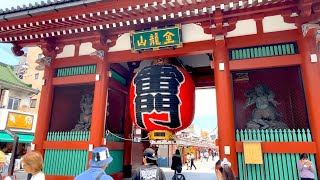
point(162, 98)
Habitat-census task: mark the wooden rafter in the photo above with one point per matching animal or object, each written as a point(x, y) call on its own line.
point(134, 15)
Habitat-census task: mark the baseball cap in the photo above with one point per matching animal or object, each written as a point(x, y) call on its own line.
point(150, 154)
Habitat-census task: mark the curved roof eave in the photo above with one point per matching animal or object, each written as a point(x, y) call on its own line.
point(7, 84)
point(30, 10)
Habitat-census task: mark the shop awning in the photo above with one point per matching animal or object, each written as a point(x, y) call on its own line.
point(23, 138)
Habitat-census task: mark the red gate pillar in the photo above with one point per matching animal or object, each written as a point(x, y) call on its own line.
point(226, 131)
point(46, 98)
point(44, 111)
point(127, 162)
point(99, 102)
point(311, 81)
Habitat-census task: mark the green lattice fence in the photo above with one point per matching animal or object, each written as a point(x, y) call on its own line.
point(66, 162)
point(277, 166)
point(68, 136)
point(263, 51)
point(77, 70)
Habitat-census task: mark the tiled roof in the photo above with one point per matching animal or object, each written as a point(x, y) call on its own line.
point(45, 5)
point(7, 75)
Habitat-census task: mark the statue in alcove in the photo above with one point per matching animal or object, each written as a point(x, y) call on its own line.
point(265, 115)
point(84, 122)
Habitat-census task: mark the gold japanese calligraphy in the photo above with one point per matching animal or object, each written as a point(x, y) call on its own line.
point(168, 35)
point(142, 42)
point(154, 39)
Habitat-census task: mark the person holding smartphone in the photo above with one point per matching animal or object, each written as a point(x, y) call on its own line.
point(305, 168)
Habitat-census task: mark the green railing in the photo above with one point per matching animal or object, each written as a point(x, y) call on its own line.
point(281, 135)
point(77, 70)
point(68, 136)
point(88, 69)
point(276, 166)
point(65, 162)
point(117, 164)
point(263, 51)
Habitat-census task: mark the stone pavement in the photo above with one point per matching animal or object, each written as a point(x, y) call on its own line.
point(204, 171)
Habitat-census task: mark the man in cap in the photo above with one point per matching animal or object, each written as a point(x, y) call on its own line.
point(99, 162)
point(150, 169)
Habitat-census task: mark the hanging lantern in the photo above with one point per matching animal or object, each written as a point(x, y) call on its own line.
point(162, 100)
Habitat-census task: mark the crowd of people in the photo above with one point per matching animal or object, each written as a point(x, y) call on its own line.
point(33, 163)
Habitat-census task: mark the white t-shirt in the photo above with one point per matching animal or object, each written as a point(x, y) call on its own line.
point(39, 176)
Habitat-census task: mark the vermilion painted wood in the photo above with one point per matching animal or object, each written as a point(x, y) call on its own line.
point(115, 145)
point(203, 81)
point(52, 177)
point(116, 176)
point(311, 75)
point(99, 104)
point(120, 70)
point(104, 19)
point(128, 129)
point(193, 48)
point(75, 61)
point(66, 145)
point(81, 79)
point(265, 62)
point(118, 86)
point(284, 147)
point(44, 112)
point(262, 39)
point(202, 47)
point(224, 104)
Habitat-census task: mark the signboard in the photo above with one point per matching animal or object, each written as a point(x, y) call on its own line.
point(156, 38)
point(19, 121)
point(252, 153)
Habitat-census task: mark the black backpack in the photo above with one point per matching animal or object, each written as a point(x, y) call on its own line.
point(179, 177)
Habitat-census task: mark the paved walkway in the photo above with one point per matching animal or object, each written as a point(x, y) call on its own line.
point(204, 171)
point(20, 175)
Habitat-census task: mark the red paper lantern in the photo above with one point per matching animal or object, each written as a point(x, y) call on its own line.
point(162, 98)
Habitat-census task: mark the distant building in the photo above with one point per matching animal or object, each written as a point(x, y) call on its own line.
point(15, 94)
point(33, 76)
point(15, 112)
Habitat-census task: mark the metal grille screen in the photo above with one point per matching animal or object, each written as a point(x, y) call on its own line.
point(263, 51)
point(283, 85)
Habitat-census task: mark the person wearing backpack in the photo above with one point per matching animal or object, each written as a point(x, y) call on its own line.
point(149, 170)
point(98, 163)
point(176, 161)
point(178, 175)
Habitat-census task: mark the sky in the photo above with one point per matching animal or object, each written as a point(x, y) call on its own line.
point(6, 55)
point(205, 109)
point(205, 106)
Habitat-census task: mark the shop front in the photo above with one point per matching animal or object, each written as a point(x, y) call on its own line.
point(23, 125)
